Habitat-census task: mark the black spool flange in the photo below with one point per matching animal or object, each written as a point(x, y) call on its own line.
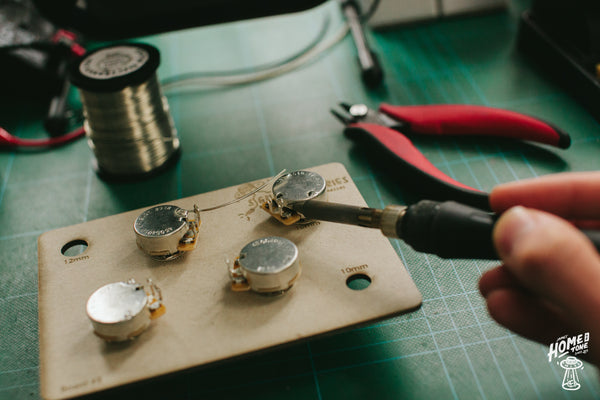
point(113, 68)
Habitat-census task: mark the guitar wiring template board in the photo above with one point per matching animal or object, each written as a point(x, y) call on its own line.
point(205, 321)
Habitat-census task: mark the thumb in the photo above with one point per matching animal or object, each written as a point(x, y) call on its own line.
point(552, 259)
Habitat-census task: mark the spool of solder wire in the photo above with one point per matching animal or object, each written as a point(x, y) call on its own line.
point(127, 119)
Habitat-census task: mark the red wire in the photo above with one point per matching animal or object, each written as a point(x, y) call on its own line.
point(6, 139)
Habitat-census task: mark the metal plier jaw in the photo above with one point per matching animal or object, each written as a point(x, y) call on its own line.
point(361, 113)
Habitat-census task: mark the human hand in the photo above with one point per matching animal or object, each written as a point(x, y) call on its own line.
point(549, 283)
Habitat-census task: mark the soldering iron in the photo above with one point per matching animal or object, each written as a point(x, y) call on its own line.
point(447, 229)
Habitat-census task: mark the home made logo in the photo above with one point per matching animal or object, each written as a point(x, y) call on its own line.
point(573, 345)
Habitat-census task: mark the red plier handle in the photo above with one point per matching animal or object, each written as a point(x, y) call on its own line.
point(459, 119)
point(385, 127)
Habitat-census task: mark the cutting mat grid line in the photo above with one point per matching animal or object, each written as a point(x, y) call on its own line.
point(314, 371)
point(19, 370)
point(454, 324)
point(6, 176)
point(445, 367)
point(456, 60)
point(527, 370)
point(432, 334)
point(446, 98)
point(504, 381)
point(437, 350)
point(54, 179)
point(471, 367)
point(321, 354)
point(18, 296)
point(442, 62)
point(7, 388)
point(22, 235)
point(589, 382)
point(88, 192)
point(433, 38)
point(455, 328)
point(357, 365)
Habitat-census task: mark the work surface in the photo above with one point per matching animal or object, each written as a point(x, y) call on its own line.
point(450, 348)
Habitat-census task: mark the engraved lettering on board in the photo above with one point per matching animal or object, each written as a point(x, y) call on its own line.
point(94, 381)
point(354, 269)
point(73, 260)
point(336, 184)
point(255, 200)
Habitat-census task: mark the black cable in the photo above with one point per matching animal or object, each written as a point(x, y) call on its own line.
point(364, 17)
point(371, 71)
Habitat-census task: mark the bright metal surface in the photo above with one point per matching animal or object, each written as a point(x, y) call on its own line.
point(118, 311)
point(299, 186)
point(160, 229)
point(270, 264)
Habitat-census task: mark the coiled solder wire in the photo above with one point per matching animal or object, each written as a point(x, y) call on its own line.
point(127, 119)
point(131, 130)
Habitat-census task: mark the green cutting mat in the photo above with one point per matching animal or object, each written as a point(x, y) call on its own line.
point(450, 348)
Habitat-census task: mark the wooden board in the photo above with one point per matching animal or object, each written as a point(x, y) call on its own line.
point(206, 321)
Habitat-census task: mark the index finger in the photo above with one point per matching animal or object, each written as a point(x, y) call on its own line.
point(572, 195)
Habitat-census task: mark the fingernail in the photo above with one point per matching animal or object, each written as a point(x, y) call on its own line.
point(512, 226)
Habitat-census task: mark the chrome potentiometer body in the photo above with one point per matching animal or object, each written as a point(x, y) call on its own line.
point(291, 188)
point(165, 232)
point(268, 266)
point(123, 310)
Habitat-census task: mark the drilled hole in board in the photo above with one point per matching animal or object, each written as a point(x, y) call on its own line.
point(74, 248)
point(358, 282)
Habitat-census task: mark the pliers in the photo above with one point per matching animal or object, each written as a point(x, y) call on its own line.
point(386, 127)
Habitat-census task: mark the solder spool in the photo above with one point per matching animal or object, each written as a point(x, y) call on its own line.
point(127, 119)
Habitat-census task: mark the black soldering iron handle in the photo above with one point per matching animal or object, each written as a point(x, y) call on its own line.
point(454, 230)
point(448, 229)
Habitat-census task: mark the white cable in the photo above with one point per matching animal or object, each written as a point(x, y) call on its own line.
point(262, 75)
